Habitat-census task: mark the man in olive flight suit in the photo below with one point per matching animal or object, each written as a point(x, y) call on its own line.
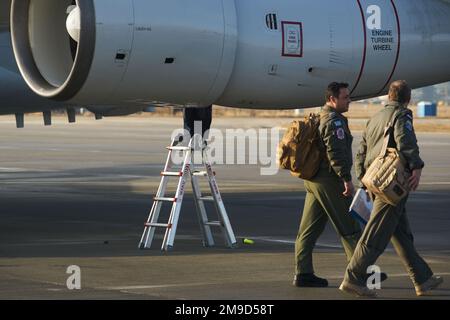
point(389, 222)
point(329, 193)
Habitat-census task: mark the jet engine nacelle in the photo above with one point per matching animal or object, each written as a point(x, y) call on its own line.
point(244, 53)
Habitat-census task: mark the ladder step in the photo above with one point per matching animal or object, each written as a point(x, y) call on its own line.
point(178, 148)
point(213, 223)
point(171, 174)
point(165, 199)
point(210, 199)
point(202, 173)
point(158, 225)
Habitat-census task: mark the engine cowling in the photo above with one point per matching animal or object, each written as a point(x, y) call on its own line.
point(245, 53)
point(128, 51)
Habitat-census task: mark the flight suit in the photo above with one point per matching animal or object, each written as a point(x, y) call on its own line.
point(388, 222)
point(324, 199)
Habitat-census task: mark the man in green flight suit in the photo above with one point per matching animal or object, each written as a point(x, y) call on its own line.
point(389, 222)
point(329, 193)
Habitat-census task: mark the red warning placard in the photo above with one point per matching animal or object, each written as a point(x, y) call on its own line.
point(292, 39)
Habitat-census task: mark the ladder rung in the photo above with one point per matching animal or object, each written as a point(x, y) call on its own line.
point(213, 223)
point(207, 199)
point(178, 148)
point(202, 173)
point(165, 199)
point(172, 174)
point(158, 225)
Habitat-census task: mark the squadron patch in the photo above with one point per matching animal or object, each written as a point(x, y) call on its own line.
point(338, 123)
point(340, 133)
point(409, 125)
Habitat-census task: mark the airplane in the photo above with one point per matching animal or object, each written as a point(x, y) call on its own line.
point(265, 54)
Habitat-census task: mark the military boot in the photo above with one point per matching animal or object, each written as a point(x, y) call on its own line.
point(309, 280)
point(430, 284)
point(357, 290)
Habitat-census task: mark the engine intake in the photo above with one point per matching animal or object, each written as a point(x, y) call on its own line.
point(52, 63)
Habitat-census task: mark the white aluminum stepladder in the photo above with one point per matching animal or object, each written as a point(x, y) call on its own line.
point(187, 170)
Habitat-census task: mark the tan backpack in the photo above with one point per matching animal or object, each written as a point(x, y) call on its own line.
point(300, 151)
point(387, 176)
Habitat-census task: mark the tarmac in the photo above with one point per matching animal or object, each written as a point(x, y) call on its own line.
point(79, 194)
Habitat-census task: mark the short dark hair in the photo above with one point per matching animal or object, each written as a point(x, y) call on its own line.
point(400, 92)
point(334, 89)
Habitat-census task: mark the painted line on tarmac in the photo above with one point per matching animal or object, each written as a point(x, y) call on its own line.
point(9, 148)
point(292, 242)
point(398, 275)
point(435, 183)
point(15, 170)
point(181, 285)
point(161, 286)
point(391, 275)
point(64, 242)
point(435, 144)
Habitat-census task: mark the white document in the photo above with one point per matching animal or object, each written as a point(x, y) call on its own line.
point(361, 206)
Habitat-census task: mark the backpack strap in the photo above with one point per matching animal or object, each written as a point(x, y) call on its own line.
point(389, 133)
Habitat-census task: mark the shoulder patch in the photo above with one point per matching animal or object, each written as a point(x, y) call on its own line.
point(409, 125)
point(340, 133)
point(338, 123)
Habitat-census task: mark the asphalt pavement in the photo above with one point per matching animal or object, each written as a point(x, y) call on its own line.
point(79, 194)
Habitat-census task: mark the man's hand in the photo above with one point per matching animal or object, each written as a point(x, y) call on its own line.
point(414, 180)
point(349, 189)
